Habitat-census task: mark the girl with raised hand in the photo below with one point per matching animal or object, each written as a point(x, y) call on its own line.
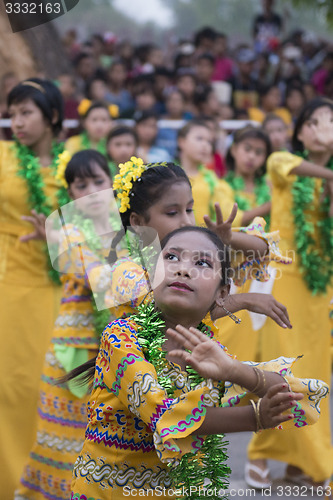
point(302, 209)
point(62, 415)
point(29, 290)
point(153, 424)
point(97, 118)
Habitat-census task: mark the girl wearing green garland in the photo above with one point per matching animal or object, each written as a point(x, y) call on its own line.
point(246, 162)
point(302, 210)
point(29, 291)
point(154, 424)
point(62, 415)
point(96, 123)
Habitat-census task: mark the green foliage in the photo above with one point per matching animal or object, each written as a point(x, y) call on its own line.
point(324, 7)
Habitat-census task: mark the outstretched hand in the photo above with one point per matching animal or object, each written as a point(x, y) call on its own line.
point(220, 227)
point(206, 357)
point(263, 303)
point(38, 221)
point(275, 402)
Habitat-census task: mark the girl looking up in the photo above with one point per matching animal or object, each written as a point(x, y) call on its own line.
point(96, 123)
point(152, 421)
point(62, 415)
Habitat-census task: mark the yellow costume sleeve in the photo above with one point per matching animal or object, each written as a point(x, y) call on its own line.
point(306, 411)
point(123, 369)
point(73, 144)
point(225, 197)
point(244, 268)
point(279, 166)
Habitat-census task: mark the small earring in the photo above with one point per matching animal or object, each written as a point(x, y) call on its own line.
point(232, 316)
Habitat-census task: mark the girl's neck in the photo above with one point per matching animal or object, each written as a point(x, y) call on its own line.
point(248, 180)
point(319, 158)
point(43, 150)
point(190, 166)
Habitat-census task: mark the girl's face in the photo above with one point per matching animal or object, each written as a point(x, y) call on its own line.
point(172, 211)
point(295, 101)
point(272, 99)
point(121, 148)
point(190, 273)
point(92, 202)
point(28, 122)
point(147, 130)
point(278, 134)
point(249, 156)
point(306, 135)
point(98, 89)
point(187, 85)
point(98, 124)
point(197, 145)
point(175, 104)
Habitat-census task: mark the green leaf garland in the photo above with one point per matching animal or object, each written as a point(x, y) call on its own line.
point(29, 169)
point(261, 192)
point(316, 263)
point(86, 144)
point(205, 469)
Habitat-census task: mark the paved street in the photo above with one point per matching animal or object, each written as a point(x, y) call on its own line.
point(237, 458)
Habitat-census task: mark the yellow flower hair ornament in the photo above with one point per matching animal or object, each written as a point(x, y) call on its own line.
point(64, 158)
point(113, 110)
point(129, 172)
point(84, 106)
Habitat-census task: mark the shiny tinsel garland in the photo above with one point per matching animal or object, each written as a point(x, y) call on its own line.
point(86, 144)
point(316, 258)
point(29, 169)
point(261, 192)
point(205, 469)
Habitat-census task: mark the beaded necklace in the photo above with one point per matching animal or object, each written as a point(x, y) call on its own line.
point(316, 264)
point(193, 469)
point(29, 169)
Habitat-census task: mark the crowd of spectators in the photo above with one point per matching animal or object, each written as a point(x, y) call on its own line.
point(203, 78)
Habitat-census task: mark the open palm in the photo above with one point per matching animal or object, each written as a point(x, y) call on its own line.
point(206, 357)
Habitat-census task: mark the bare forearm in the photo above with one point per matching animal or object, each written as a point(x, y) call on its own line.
point(260, 211)
point(224, 420)
point(251, 246)
point(308, 169)
point(246, 376)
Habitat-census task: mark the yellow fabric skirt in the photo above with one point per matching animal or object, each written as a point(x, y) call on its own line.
point(309, 448)
point(24, 341)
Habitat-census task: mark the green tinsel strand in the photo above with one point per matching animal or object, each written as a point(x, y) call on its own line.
point(29, 169)
point(86, 144)
point(262, 193)
point(193, 469)
point(316, 265)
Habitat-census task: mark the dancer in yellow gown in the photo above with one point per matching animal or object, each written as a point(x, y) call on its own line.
point(29, 299)
point(305, 223)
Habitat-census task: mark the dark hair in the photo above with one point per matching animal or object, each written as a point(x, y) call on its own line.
point(223, 252)
point(86, 371)
point(96, 105)
point(48, 99)
point(122, 130)
point(202, 94)
point(183, 132)
point(206, 57)
point(83, 163)
point(271, 117)
point(206, 32)
point(146, 191)
point(142, 116)
point(241, 135)
point(305, 115)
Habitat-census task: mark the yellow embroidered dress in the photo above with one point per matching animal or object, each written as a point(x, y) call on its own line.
point(29, 304)
point(309, 449)
point(135, 429)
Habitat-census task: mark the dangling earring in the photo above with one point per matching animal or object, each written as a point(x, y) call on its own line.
point(231, 315)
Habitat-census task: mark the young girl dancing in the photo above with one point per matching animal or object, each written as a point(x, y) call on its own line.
point(96, 123)
point(152, 421)
point(302, 209)
point(62, 415)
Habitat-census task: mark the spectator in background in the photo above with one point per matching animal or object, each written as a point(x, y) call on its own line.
point(146, 130)
point(217, 161)
point(8, 82)
point(277, 131)
point(116, 82)
point(68, 89)
point(320, 77)
point(266, 27)
point(163, 80)
point(97, 89)
point(207, 102)
point(204, 40)
point(85, 69)
point(294, 100)
point(121, 145)
point(223, 67)
point(186, 83)
point(244, 86)
point(270, 102)
point(126, 54)
point(204, 68)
